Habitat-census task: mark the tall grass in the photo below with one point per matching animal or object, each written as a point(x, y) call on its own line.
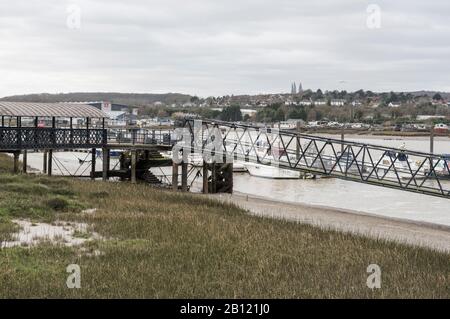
point(164, 245)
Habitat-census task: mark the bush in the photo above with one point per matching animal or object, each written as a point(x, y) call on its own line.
point(57, 204)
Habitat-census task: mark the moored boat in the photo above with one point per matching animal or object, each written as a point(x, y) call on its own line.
point(273, 172)
point(441, 128)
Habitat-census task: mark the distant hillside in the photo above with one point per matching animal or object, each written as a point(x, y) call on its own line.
point(445, 95)
point(133, 99)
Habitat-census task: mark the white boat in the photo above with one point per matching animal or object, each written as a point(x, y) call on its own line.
point(441, 128)
point(273, 172)
point(393, 164)
point(239, 167)
point(195, 159)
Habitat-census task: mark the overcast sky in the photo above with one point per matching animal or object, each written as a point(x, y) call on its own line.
point(212, 47)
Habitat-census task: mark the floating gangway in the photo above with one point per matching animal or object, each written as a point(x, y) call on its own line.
point(396, 168)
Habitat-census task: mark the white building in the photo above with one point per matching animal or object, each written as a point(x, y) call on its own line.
point(306, 103)
point(394, 104)
point(320, 102)
point(337, 102)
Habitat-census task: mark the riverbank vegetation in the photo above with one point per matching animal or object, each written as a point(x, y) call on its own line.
point(158, 244)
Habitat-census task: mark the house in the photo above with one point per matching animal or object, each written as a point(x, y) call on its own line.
point(394, 104)
point(249, 112)
point(320, 102)
point(120, 118)
point(306, 102)
point(337, 102)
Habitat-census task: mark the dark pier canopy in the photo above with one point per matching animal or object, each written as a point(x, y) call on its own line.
point(49, 110)
point(27, 125)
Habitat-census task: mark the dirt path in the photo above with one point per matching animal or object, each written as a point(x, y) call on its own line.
point(414, 233)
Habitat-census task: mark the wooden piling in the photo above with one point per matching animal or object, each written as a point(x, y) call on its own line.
point(213, 189)
point(24, 161)
point(184, 177)
point(133, 166)
point(93, 162)
point(16, 162)
point(432, 140)
point(175, 177)
point(50, 162)
point(105, 152)
point(297, 148)
point(44, 164)
point(205, 178)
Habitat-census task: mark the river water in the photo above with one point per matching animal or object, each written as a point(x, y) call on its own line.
point(323, 192)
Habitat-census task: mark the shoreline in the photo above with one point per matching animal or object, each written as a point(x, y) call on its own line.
point(375, 133)
point(415, 233)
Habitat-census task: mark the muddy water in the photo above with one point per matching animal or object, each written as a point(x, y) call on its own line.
point(325, 192)
point(357, 196)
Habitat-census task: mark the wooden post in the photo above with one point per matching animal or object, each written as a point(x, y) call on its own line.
point(205, 178)
point(432, 140)
point(16, 162)
point(24, 161)
point(229, 178)
point(214, 178)
point(184, 177)
point(342, 139)
point(297, 150)
point(50, 162)
point(175, 177)
point(122, 164)
point(133, 166)
point(105, 164)
point(44, 166)
point(93, 162)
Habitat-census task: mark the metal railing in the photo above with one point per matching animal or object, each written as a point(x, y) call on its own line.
point(141, 136)
point(13, 138)
point(396, 168)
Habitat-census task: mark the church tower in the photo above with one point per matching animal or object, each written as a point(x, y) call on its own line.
point(294, 88)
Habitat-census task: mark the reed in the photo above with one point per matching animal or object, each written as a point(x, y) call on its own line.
point(159, 244)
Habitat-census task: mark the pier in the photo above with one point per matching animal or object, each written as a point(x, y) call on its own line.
point(57, 127)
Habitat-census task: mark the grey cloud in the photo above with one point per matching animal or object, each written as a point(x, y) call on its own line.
point(222, 47)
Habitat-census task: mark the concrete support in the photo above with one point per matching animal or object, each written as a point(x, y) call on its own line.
point(16, 162)
point(432, 140)
point(205, 178)
point(133, 166)
point(24, 161)
point(175, 177)
point(105, 169)
point(44, 164)
point(184, 177)
point(93, 162)
point(50, 162)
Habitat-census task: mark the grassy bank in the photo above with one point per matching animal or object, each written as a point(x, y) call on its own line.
point(159, 244)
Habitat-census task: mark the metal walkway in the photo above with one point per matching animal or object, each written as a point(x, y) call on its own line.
point(396, 168)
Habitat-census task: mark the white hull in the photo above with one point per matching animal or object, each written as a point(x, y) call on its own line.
point(239, 167)
point(266, 171)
